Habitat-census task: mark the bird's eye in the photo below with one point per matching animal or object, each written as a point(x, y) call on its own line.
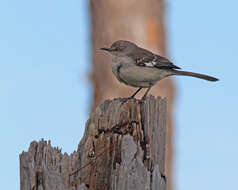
point(116, 49)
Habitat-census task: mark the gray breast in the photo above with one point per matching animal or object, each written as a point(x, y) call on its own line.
point(117, 63)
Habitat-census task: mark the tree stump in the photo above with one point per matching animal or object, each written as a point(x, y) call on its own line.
point(123, 148)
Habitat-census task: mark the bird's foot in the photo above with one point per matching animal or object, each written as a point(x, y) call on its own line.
point(124, 100)
point(144, 97)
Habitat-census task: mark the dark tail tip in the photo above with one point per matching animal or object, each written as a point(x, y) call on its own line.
point(209, 78)
point(214, 79)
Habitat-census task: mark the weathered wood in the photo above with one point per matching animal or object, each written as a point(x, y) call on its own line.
point(123, 147)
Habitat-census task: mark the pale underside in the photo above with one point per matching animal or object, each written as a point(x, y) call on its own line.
point(127, 72)
point(144, 77)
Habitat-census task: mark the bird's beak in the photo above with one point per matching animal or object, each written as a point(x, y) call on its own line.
point(106, 49)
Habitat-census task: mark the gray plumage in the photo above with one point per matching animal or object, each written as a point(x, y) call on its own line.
point(138, 67)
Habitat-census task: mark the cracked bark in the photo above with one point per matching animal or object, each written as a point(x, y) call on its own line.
point(123, 147)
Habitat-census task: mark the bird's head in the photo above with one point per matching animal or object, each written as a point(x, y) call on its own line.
point(121, 48)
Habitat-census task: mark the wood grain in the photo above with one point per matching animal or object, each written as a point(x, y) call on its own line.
point(123, 147)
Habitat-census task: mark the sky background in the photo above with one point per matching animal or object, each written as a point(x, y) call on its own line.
point(45, 93)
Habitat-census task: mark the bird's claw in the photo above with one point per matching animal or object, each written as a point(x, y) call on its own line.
point(143, 98)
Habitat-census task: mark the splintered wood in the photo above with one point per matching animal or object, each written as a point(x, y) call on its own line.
point(123, 148)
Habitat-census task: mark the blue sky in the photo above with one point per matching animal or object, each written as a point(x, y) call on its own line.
point(45, 93)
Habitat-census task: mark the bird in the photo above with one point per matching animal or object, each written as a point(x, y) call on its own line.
point(140, 68)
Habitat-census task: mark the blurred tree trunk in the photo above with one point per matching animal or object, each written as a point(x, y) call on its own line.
point(141, 22)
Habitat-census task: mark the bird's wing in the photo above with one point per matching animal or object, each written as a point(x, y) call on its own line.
point(147, 59)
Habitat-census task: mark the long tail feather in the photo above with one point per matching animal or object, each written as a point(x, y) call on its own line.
point(197, 75)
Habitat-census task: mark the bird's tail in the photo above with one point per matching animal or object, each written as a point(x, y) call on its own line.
point(197, 75)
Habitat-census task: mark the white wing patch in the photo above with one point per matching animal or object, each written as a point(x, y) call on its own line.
point(147, 62)
point(151, 63)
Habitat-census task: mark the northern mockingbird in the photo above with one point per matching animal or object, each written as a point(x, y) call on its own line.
point(138, 67)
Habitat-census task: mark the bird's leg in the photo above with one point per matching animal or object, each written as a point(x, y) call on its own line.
point(133, 95)
point(148, 89)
